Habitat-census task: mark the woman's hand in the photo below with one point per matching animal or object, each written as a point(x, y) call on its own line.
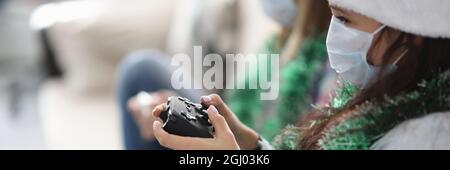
point(142, 112)
point(223, 137)
point(245, 137)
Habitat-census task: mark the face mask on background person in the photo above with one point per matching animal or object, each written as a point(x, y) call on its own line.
point(347, 51)
point(283, 12)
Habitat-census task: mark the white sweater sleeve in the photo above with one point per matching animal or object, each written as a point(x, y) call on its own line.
point(431, 132)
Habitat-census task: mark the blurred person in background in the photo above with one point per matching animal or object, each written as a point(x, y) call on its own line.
point(393, 58)
point(305, 76)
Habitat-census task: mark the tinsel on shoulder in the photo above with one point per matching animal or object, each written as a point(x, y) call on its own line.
point(371, 121)
point(288, 137)
point(297, 79)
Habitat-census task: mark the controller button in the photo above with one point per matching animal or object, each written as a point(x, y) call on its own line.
point(182, 99)
point(198, 106)
point(190, 117)
point(187, 116)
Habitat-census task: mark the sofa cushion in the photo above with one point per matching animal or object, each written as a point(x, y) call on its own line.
point(90, 44)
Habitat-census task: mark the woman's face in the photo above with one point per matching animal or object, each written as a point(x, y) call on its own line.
point(357, 21)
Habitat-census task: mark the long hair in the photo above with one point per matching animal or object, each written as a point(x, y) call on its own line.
point(425, 58)
point(313, 19)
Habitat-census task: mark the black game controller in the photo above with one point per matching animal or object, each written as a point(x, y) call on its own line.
point(184, 118)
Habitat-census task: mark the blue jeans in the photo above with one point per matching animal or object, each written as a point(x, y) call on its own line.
point(144, 71)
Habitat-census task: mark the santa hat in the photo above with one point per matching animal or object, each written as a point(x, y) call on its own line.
point(430, 18)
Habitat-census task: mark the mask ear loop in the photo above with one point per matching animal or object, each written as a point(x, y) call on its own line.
point(379, 30)
point(401, 56)
point(372, 35)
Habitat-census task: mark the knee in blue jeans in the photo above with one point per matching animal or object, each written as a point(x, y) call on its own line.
point(142, 60)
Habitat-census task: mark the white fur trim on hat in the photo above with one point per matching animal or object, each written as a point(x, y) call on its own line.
point(430, 18)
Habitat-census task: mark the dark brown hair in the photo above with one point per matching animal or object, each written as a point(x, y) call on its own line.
point(313, 19)
point(425, 58)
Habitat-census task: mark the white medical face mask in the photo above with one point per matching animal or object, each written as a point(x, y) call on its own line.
point(283, 12)
point(347, 50)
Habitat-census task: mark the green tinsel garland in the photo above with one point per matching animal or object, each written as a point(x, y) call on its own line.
point(372, 120)
point(287, 139)
point(297, 80)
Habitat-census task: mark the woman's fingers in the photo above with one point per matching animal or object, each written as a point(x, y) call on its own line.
point(216, 100)
point(218, 121)
point(180, 142)
point(158, 109)
point(142, 101)
point(212, 99)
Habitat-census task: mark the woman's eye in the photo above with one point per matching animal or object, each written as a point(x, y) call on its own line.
point(342, 19)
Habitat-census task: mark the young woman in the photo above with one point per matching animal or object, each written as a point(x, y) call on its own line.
point(393, 57)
